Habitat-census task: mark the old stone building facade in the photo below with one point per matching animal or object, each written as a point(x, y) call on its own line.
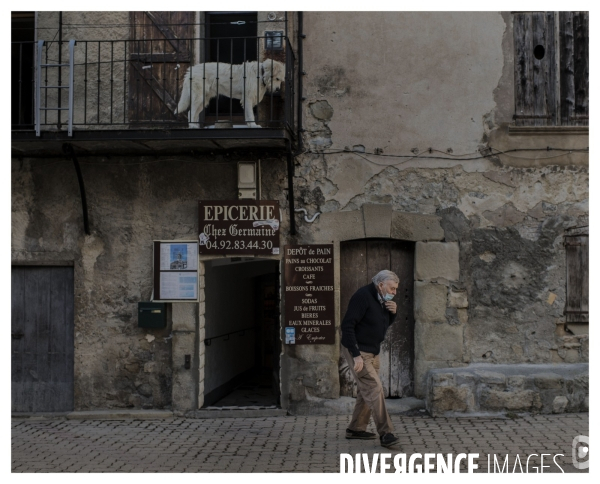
point(447, 145)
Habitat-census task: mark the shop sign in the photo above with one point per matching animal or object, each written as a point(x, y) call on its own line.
point(309, 296)
point(238, 227)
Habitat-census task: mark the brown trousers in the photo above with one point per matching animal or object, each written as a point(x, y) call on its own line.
point(369, 397)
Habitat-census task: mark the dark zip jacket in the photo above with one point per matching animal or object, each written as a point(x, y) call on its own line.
point(366, 322)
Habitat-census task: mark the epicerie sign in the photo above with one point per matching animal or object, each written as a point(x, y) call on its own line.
point(238, 227)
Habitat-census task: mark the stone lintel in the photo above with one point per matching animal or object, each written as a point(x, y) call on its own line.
point(378, 219)
point(332, 226)
point(416, 227)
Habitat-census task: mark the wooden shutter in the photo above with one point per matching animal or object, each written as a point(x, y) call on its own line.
point(574, 68)
point(160, 53)
point(577, 300)
point(535, 78)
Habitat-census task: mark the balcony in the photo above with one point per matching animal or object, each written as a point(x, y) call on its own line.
point(107, 97)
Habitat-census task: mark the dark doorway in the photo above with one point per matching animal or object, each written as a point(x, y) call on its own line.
point(243, 343)
point(42, 339)
point(22, 70)
point(232, 39)
point(360, 260)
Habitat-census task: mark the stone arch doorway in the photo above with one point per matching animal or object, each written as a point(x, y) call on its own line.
point(360, 260)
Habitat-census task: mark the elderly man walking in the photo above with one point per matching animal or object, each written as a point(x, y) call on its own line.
point(370, 312)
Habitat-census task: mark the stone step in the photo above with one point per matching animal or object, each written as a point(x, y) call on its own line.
point(236, 412)
point(345, 406)
point(118, 414)
point(39, 415)
point(397, 406)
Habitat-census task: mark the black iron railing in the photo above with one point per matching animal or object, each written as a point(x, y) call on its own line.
point(140, 83)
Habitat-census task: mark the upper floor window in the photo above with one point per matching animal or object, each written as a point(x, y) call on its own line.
point(231, 37)
point(22, 69)
point(551, 68)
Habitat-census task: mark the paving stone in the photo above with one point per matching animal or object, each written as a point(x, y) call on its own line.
point(274, 444)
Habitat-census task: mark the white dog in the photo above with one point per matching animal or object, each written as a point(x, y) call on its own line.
point(259, 78)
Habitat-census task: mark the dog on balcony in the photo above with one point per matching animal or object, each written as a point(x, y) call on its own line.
point(247, 82)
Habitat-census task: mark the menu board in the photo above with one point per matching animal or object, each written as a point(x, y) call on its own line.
point(238, 227)
point(309, 296)
point(175, 271)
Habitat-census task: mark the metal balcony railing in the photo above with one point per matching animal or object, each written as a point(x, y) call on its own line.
point(138, 84)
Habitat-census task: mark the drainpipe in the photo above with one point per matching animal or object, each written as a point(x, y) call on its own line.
point(69, 151)
point(60, 28)
point(290, 168)
point(301, 36)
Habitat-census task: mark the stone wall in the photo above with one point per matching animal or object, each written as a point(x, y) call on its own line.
point(490, 264)
point(131, 202)
point(491, 287)
point(496, 389)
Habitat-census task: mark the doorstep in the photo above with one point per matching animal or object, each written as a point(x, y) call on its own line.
point(38, 415)
point(118, 414)
point(236, 412)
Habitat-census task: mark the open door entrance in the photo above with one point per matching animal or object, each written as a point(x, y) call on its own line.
point(360, 260)
point(242, 338)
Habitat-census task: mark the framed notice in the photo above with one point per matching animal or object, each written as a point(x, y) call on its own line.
point(175, 270)
point(309, 296)
point(238, 227)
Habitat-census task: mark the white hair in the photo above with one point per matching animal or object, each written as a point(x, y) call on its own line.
point(385, 275)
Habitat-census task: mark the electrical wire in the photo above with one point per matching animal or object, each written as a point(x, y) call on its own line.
point(361, 155)
point(455, 157)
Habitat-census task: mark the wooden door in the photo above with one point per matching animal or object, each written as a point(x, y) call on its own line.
point(42, 339)
point(231, 38)
point(360, 260)
point(160, 52)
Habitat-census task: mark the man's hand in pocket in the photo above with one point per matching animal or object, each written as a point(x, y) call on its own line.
point(358, 364)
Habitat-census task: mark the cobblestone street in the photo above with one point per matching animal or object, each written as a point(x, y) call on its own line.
point(279, 444)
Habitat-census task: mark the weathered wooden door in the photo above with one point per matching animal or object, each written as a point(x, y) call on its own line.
point(360, 260)
point(160, 52)
point(42, 339)
point(231, 38)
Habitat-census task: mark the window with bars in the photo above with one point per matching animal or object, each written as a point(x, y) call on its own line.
point(551, 68)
